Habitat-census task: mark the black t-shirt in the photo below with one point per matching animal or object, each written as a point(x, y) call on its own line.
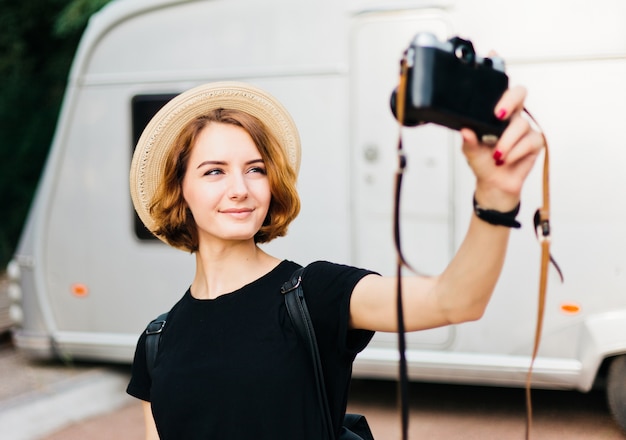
point(234, 367)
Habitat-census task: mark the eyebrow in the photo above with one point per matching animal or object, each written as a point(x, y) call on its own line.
point(221, 162)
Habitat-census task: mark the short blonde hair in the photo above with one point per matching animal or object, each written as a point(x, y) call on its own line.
point(173, 218)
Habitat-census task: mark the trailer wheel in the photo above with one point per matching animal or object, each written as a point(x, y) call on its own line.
point(616, 390)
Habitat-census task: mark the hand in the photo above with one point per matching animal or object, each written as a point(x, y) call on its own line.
point(501, 170)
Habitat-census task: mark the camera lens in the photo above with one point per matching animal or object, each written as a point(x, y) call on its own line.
point(464, 53)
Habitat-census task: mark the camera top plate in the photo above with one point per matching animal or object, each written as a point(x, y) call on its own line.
point(462, 49)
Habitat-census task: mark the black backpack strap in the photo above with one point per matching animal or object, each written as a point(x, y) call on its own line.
point(153, 337)
point(299, 314)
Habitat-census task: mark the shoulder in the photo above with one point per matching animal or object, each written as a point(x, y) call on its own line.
point(328, 288)
point(335, 272)
point(332, 277)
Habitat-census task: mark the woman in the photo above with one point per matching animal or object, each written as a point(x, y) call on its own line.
point(214, 173)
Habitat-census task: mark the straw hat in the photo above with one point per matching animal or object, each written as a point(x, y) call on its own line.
point(147, 167)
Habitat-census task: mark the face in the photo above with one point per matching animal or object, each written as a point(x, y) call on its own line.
point(226, 185)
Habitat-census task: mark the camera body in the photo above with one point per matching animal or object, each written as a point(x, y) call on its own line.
point(449, 85)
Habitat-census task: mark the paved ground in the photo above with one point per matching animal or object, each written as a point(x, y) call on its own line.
point(125, 423)
point(438, 412)
point(39, 398)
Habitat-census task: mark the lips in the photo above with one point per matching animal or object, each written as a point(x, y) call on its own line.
point(237, 212)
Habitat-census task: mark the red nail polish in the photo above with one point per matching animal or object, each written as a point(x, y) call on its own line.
point(499, 162)
point(497, 155)
point(501, 114)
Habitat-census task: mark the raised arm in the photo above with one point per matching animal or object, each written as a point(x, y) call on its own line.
point(462, 292)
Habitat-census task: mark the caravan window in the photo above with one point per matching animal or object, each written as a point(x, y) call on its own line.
point(144, 107)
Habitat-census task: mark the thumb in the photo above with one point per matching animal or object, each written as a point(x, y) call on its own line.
point(470, 141)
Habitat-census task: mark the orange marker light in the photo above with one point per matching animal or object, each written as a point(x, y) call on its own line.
point(80, 290)
point(570, 308)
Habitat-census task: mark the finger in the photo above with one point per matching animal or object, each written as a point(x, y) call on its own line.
point(469, 137)
point(471, 144)
point(512, 101)
point(517, 129)
point(530, 144)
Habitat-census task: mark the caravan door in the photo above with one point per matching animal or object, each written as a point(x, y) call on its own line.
point(377, 43)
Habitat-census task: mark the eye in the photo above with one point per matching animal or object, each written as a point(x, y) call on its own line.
point(213, 172)
point(259, 170)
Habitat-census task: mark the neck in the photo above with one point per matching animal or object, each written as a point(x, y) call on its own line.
point(224, 269)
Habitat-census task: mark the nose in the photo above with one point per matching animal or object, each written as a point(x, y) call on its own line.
point(237, 187)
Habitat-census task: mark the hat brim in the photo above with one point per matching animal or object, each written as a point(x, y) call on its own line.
point(147, 166)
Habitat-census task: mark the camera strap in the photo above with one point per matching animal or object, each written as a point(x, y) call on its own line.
point(542, 231)
point(403, 384)
point(541, 222)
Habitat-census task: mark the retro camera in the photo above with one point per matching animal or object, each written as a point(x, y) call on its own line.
point(449, 84)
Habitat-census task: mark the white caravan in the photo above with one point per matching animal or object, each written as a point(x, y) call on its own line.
point(85, 279)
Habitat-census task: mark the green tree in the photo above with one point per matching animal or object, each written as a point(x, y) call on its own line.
point(37, 45)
